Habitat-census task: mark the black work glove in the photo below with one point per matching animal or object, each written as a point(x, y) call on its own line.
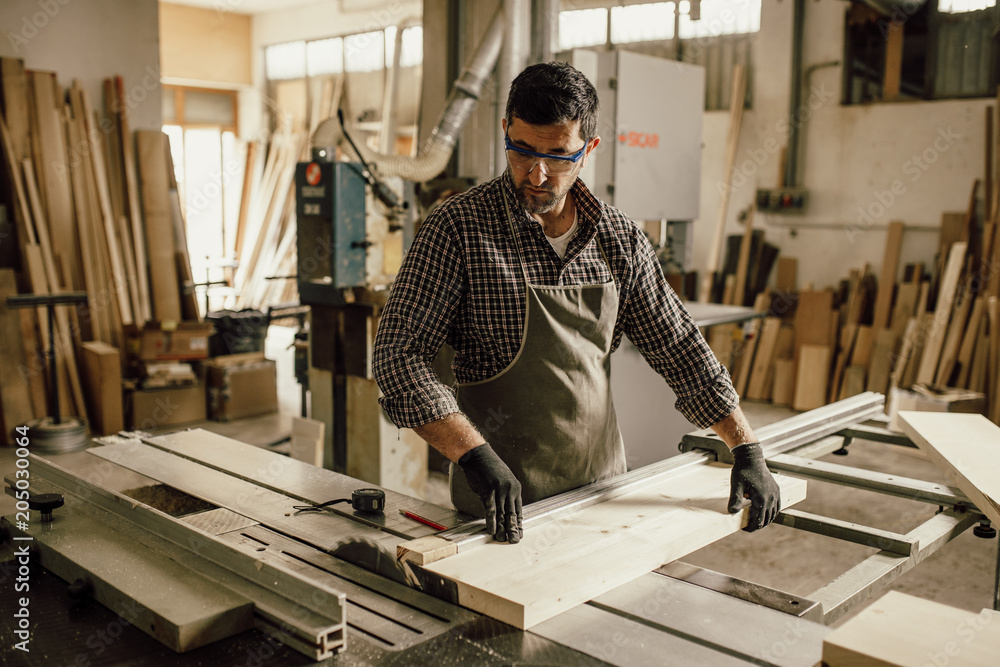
point(494, 483)
point(751, 479)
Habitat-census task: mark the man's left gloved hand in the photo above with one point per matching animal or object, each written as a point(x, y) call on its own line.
point(751, 479)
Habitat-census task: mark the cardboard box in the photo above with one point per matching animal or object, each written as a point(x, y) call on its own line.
point(186, 340)
point(926, 398)
point(172, 406)
point(241, 385)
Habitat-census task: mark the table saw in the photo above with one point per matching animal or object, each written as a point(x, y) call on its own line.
point(250, 579)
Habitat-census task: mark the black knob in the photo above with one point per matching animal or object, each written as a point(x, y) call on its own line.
point(45, 503)
point(79, 589)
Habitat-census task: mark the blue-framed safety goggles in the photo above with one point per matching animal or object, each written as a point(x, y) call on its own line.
point(553, 163)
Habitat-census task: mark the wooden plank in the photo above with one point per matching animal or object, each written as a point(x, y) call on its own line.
point(814, 318)
point(942, 314)
point(812, 377)
point(966, 447)
point(52, 171)
point(158, 224)
point(992, 375)
point(887, 279)
point(182, 262)
point(862, 353)
point(848, 335)
point(743, 263)
point(736, 97)
point(949, 351)
point(15, 390)
point(980, 359)
point(762, 373)
point(854, 382)
point(893, 61)
point(787, 270)
point(902, 630)
point(14, 92)
point(102, 376)
point(571, 560)
point(988, 192)
point(720, 340)
point(905, 354)
point(883, 355)
point(783, 390)
point(906, 305)
point(81, 109)
point(307, 441)
point(64, 348)
point(93, 281)
point(748, 349)
point(969, 339)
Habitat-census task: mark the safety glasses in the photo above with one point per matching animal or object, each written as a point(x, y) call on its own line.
point(552, 164)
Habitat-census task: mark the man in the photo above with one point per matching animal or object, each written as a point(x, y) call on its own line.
point(533, 281)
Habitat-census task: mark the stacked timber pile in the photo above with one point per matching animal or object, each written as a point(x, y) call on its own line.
point(936, 331)
point(90, 214)
point(266, 230)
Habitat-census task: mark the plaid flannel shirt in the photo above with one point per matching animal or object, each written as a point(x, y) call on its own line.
point(461, 284)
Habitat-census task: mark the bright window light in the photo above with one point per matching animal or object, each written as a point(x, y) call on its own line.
point(582, 27)
point(285, 61)
point(720, 17)
point(413, 46)
point(364, 52)
point(325, 56)
point(958, 6)
point(642, 23)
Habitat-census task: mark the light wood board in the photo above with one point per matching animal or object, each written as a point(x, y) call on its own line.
point(900, 630)
point(942, 314)
point(812, 374)
point(966, 447)
point(571, 560)
point(887, 279)
point(15, 392)
point(166, 298)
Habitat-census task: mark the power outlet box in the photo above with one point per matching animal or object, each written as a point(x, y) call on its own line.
point(782, 200)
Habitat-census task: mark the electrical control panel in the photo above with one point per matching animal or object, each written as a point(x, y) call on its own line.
point(782, 200)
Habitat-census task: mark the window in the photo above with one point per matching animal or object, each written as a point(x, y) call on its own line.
point(583, 27)
point(641, 23)
point(715, 34)
point(936, 50)
point(208, 164)
point(308, 81)
point(325, 56)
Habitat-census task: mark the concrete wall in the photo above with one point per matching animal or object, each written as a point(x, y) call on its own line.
point(90, 41)
point(864, 166)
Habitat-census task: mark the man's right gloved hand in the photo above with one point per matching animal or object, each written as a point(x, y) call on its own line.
point(498, 488)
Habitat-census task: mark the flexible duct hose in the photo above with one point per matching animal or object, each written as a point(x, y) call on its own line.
point(436, 151)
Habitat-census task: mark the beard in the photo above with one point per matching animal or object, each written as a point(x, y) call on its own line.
point(546, 200)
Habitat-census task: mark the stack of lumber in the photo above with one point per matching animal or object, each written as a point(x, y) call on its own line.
point(873, 334)
point(83, 204)
point(935, 323)
point(266, 231)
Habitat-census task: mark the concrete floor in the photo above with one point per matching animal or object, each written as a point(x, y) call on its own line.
point(961, 574)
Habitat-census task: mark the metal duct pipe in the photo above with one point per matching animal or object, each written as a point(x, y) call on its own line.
point(544, 33)
point(436, 151)
point(513, 57)
point(798, 29)
point(387, 141)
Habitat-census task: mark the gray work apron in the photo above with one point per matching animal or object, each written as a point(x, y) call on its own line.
point(549, 414)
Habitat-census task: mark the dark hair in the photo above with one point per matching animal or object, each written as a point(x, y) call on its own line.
point(550, 93)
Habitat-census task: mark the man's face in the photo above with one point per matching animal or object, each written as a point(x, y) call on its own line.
point(539, 190)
